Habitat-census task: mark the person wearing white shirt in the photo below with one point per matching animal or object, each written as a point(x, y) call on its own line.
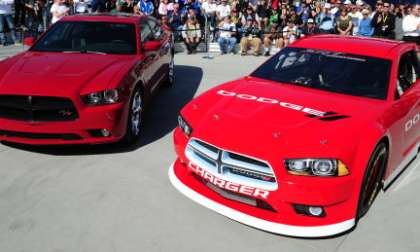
point(6, 15)
point(223, 10)
point(210, 10)
point(227, 41)
point(80, 6)
point(58, 10)
point(411, 25)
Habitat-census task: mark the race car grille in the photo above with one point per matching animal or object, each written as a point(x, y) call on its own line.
point(40, 136)
point(231, 166)
point(37, 108)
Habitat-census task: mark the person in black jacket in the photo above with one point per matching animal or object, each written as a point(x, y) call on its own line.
point(251, 37)
point(383, 23)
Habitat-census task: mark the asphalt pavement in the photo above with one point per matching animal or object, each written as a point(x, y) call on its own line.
point(114, 198)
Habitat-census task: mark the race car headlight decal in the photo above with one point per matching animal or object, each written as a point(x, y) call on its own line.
point(184, 126)
point(316, 167)
point(102, 98)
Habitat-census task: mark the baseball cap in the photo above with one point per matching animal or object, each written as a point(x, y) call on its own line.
point(360, 3)
point(327, 6)
point(310, 21)
point(347, 2)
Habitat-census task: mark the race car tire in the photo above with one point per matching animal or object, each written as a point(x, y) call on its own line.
point(372, 180)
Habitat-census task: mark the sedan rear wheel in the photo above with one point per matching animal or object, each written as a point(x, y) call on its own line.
point(372, 181)
point(170, 81)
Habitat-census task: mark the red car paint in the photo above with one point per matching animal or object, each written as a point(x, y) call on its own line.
point(261, 119)
point(72, 75)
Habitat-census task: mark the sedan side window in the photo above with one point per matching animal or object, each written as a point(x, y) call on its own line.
point(146, 33)
point(408, 72)
point(156, 29)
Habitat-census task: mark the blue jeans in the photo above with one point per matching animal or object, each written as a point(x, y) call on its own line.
point(9, 20)
point(227, 45)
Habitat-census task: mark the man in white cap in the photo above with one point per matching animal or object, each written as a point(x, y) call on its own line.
point(326, 20)
point(411, 25)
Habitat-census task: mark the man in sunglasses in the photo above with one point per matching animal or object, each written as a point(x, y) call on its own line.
point(383, 22)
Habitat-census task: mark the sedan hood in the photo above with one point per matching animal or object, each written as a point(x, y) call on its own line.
point(43, 73)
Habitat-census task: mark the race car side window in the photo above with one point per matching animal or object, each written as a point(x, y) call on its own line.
point(408, 72)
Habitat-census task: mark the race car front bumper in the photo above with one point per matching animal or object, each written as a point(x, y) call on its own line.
point(185, 181)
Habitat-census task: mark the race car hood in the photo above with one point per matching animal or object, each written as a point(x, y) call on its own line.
point(46, 73)
point(251, 110)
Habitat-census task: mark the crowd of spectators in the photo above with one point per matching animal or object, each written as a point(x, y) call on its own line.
point(258, 25)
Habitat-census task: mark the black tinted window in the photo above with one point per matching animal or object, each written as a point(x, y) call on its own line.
point(106, 37)
point(331, 71)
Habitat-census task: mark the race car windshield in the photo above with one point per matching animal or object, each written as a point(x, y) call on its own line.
point(330, 71)
point(89, 37)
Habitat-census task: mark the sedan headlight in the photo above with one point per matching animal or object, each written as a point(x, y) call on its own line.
point(102, 98)
point(316, 167)
point(184, 126)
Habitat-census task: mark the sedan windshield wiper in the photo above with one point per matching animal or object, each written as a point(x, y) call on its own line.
point(86, 51)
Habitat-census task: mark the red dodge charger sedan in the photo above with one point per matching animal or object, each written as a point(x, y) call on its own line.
point(303, 145)
point(86, 80)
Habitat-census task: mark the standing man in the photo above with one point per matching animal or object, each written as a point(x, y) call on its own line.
point(411, 25)
point(326, 20)
point(383, 23)
point(6, 15)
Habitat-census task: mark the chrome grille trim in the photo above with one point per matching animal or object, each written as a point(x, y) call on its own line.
point(219, 162)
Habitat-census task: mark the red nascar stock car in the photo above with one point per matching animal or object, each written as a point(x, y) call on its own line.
point(303, 145)
point(86, 80)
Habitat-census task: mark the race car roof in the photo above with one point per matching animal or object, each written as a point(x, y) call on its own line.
point(374, 47)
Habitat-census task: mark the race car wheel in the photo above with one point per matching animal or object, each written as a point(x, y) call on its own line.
point(134, 120)
point(170, 81)
point(372, 181)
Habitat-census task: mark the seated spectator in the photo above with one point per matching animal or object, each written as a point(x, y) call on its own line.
point(98, 5)
point(6, 14)
point(146, 7)
point(290, 33)
point(272, 36)
point(58, 10)
point(126, 6)
point(227, 40)
point(191, 34)
point(326, 20)
point(356, 16)
point(209, 9)
point(175, 21)
point(310, 28)
point(249, 14)
point(164, 7)
point(365, 27)
point(262, 12)
point(80, 6)
point(250, 38)
point(344, 23)
point(223, 10)
point(191, 6)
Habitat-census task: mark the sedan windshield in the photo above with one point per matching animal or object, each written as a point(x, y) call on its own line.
point(89, 37)
point(330, 71)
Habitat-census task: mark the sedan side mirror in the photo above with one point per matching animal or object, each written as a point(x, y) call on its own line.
point(152, 45)
point(29, 41)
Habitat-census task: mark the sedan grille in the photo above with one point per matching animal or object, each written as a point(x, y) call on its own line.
point(231, 166)
point(37, 108)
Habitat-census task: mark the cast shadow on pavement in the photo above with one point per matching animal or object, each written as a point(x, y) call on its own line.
point(160, 118)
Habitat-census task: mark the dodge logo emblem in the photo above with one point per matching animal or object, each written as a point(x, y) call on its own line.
point(65, 112)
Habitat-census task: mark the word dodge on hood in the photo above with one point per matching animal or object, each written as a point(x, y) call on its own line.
point(272, 101)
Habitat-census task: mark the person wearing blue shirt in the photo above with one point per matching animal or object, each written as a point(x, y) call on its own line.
point(326, 20)
point(365, 27)
point(146, 7)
